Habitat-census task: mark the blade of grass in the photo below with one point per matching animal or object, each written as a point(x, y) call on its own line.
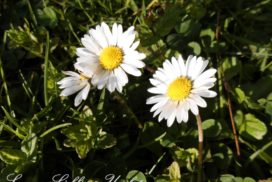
point(28, 90)
point(2, 74)
point(46, 69)
point(32, 13)
point(9, 129)
point(12, 120)
point(54, 128)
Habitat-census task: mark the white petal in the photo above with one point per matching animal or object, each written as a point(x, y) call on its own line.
point(188, 62)
point(155, 99)
point(161, 103)
point(78, 99)
point(121, 76)
point(107, 33)
point(114, 34)
point(120, 35)
point(198, 100)
point(135, 45)
point(182, 66)
point(176, 66)
point(112, 83)
point(200, 82)
point(99, 37)
point(71, 73)
point(193, 107)
point(90, 44)
point(171, 119)
point(86, 91)
point(131, 70)
point(70, 84)
point(129, 59)
point(191, 67)
point(207, 94)
point(67, 80)
point(161, 89)
point(86, 68)
point(83, 52)
point(205, 75)
point(71, 90)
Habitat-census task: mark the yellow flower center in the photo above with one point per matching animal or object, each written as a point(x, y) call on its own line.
point(82, 77)
point(179, 89)
point(111, 57)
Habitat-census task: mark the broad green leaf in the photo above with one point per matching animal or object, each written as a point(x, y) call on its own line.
point(12, 156)
point(48, 16)
point(174, 172)
point(240, 95)
point(82, 149)
point(252, 127)
point(211, 127)
point(29, 145)
point(52, 79)
point(196, 47)
point(185, 157)
point(105, 140)
point(135, 175)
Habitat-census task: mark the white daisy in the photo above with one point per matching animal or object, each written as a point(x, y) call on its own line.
point(179, 87)
point(75, 83)
point(108, 55)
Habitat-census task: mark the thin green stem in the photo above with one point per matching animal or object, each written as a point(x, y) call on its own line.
point(55, 128)
point(12, 120)
point(200, 148)
point(32, 13)
point(155, 165)
point(85, 12)
point(72, 30)
point(46, 62)
point(2, 74)
point(9, 129)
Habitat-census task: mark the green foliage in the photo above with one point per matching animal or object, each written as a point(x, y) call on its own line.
point(42, 134)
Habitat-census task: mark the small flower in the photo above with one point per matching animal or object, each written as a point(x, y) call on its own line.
point(108, 55)
point(75, 83)
point(179, 87)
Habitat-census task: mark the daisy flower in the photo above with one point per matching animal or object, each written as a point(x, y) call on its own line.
point(179, 87)
point(109, 55)
point(75, 83)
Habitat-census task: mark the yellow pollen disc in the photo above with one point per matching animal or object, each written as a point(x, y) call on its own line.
point(82, 77)
point(111, 57)
point(179, 89)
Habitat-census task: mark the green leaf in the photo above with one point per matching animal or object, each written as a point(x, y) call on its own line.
point(12, 156)
point(211, 128)
point(135, 175)
point(174, 172)
point(196, 47)
point(29, 145)
point(48, 16)
point(168, 21)
point(83, 148)
point(252, 128)
point(25, 38)
point(185, 157)
point(52, 78)
point(240, 95)
point(105, 140)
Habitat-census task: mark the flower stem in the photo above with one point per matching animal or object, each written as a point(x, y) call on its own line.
point(200, 147)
